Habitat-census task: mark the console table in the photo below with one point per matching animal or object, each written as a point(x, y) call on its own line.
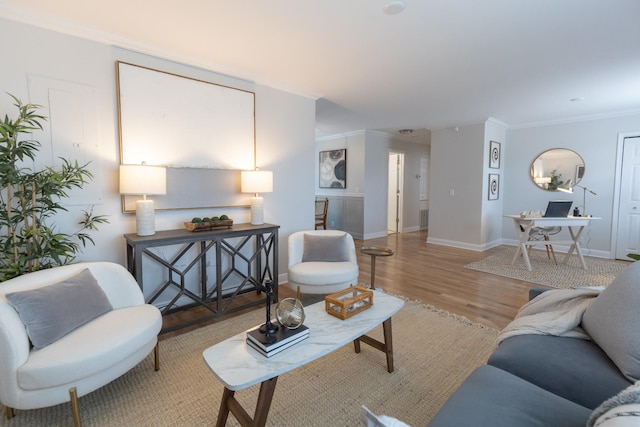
point(244, 255)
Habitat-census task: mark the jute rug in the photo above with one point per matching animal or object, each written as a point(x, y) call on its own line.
point(600, 271)
point(433, 352)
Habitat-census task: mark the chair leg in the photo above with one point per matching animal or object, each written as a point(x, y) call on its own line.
point(75, 407)
point(156, 356)
point(550, 250)
point(10, 412)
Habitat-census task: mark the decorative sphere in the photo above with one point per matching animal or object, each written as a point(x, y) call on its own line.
point(290, 313)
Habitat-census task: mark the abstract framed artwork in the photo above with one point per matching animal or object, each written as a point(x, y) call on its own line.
point(333, 169)
point(494, 155)
point(494, 186)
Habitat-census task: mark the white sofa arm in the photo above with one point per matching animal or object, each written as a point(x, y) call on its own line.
point(14, 347)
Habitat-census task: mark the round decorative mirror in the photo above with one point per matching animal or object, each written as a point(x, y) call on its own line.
point(558, 167)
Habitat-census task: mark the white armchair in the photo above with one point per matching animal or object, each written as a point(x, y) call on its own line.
point(322, 261)
point(85, 359)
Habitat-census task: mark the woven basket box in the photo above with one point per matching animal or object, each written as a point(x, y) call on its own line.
point(348, 302)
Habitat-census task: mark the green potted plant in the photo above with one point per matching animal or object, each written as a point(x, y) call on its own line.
point(555, 180)
point(29, 199)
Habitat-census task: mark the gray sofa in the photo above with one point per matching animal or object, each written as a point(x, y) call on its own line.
point(542, 380)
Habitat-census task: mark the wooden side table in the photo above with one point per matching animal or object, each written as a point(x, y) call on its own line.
point(375, 251)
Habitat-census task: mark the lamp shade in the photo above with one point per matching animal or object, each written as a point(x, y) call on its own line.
point(256, 181)
point(143, 179)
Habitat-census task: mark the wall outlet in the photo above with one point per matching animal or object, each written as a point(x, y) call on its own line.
point(452, 192)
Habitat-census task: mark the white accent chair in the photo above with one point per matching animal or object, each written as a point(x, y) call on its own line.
point(87, 358)
point(321, 276)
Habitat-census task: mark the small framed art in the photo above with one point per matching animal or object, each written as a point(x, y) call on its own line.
point(333, 169)
point(494, 155)
point(494, 186)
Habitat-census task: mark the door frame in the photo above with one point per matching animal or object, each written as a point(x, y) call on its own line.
point(615, 214)
point(399, 189)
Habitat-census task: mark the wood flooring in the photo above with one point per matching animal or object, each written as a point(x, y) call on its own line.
point(431, 274)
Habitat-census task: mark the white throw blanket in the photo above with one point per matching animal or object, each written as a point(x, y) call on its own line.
point(557, 312)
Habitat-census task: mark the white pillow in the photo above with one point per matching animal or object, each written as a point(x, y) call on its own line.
point(369, 419)
point(622, 410)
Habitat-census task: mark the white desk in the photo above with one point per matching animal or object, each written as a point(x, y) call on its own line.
point(238, 366)
point(575, 225)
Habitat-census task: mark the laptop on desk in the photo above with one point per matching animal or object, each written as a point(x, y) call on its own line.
point(558, 209)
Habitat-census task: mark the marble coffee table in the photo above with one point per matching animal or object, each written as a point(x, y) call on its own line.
point(238, 366)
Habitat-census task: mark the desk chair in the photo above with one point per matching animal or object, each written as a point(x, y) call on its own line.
point(322, 206)
point(543, 233)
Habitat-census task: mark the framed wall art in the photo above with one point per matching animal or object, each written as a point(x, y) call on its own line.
point(494, 186)
point(333, 169)
point(494, 155)
point(201, 131)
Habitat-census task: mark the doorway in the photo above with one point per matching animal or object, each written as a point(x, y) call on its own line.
point(394, 197)
point(628, 218)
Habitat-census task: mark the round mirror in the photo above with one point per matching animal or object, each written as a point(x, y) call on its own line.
point(557, 168)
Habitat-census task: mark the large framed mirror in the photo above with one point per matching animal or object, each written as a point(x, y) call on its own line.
point(557, 168)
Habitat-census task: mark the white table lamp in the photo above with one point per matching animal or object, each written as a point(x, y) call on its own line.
point(256, 181)
point(143, 180)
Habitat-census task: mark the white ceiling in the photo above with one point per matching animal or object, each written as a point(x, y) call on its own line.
point(438, 64)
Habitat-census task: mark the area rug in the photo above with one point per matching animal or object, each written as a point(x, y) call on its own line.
point(600, 271)
point(433, 352)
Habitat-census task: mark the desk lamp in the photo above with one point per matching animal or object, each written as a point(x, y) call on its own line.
point(568, 188)
point(256, 181)
point(143, 180)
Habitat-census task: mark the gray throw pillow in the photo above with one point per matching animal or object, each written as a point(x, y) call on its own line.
point(51, 312)
point(613, 321)
point(325, 248)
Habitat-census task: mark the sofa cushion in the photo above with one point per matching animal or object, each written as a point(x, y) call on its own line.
point(325, 248)
point(622, 410)
point(91, 348)
point(613, 321)
point(575, 369)
point(496, 398)
point(51, 312)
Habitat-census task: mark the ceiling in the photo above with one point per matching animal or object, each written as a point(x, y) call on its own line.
point(437, 64)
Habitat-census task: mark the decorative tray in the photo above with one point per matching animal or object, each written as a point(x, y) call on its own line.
point(203, 226)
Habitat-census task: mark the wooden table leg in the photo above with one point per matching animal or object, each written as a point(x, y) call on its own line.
point(223, 413)
point(388, 341)
point(386, 346)
point(230, 404)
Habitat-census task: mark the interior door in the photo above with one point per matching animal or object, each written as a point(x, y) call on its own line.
point(392, 196)
point(628, 238)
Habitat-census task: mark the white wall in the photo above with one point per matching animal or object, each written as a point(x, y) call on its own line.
point(285, 127)
point(492, 210)
point(457, 186)
point(596, 141)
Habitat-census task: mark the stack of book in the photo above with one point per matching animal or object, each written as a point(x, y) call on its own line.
point(282, 339)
